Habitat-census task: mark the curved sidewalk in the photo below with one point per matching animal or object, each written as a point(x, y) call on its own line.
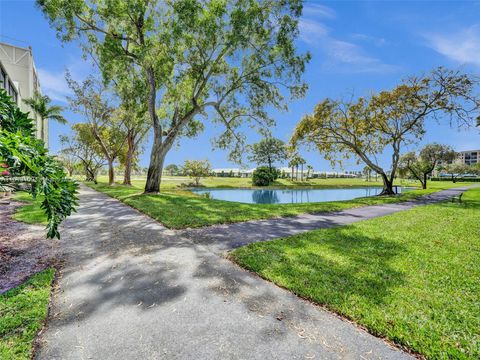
point(132, 289)
point(226, 237)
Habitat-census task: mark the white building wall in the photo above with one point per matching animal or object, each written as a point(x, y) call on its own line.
point(20, 67)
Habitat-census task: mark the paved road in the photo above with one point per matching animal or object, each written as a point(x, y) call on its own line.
point(131, 289)
point(226, 237)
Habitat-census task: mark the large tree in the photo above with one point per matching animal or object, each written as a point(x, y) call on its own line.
point(133, 112)
point(107, 125)
point(268, 151)
point(40, 105)
point(226, 59)
point(421, 165)
point(370, 126)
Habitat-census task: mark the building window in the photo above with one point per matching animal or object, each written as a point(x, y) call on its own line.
point(35, 81)
point(12, 92)
point(3, 78)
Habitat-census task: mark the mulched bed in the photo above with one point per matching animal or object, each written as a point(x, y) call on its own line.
point(24, 250)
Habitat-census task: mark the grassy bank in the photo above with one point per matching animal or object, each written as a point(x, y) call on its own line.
point(175, 182)
point(30, 213)
point(22, 313)
point(180, 209)
point(411, 277)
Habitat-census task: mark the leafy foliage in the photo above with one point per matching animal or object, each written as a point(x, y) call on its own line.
point(92, 100)
point(264, 176)
point(83, 146)
point(458, 170)
point(268, 151)
point(40, 105)
point(197, 169)
point(365, 127)
point(423, 164)
point(232, 57)
point(27, 161)
point(172, 169)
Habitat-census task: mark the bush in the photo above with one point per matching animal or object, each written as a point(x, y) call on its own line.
point(24, 160)
point(264, 176)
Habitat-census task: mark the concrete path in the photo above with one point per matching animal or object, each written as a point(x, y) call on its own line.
point(131, 289)
point(226, 237)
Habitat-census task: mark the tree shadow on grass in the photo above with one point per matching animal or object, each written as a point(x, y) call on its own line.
point(333, 266)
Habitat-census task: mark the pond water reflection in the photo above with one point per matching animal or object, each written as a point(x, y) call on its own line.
point(290, 196)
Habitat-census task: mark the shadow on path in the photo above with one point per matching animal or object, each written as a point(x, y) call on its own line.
point(131, 288)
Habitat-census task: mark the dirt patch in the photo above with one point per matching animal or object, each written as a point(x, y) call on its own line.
point(24, 250)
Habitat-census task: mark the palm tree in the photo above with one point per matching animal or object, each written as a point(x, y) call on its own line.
point(309, 170)
point(40, 104)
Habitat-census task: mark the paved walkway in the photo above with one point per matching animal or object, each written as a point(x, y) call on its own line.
point(226, 237)
point(131, 289)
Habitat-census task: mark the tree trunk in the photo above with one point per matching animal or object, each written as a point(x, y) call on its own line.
point(387, 185)
point(301, 174)
point(111, 173)
point(292, 172)
point(128, 162)
point(296, 177)
point(89, 174)
point(157, 158)
point(424, 182)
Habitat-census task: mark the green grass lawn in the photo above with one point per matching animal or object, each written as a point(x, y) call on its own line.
point(412, 277)
point(180, 209)
point(30, 213)
point(175, 182)
point(22, 313)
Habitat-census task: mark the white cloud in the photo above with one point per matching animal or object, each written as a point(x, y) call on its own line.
point(53, 84)
point(462, 46)
point(311, 31)
point(340, 55)
point(377, 41)
point(318, 10)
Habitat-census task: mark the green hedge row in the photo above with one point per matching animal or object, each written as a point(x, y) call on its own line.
point(456, 180)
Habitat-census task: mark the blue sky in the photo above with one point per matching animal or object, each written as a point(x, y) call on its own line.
point(359, 46)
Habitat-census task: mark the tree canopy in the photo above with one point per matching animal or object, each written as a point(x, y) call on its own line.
point(83, 146)
point(197, 169)
point(226, 60)
point(268, 152)
point(367, 126)
point(421, 165)
point(93, 100)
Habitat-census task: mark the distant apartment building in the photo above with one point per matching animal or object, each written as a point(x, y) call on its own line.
point(470, 157)
point(18, 76)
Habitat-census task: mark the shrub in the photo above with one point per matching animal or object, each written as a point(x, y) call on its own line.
point(24, 160)
point(264, 176)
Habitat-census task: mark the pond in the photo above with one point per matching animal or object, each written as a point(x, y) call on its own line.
point(290, 196)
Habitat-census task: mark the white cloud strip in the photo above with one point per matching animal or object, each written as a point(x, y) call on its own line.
point(318, 10)
point(53, 84)
point(462, 46)
point(340, 55)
